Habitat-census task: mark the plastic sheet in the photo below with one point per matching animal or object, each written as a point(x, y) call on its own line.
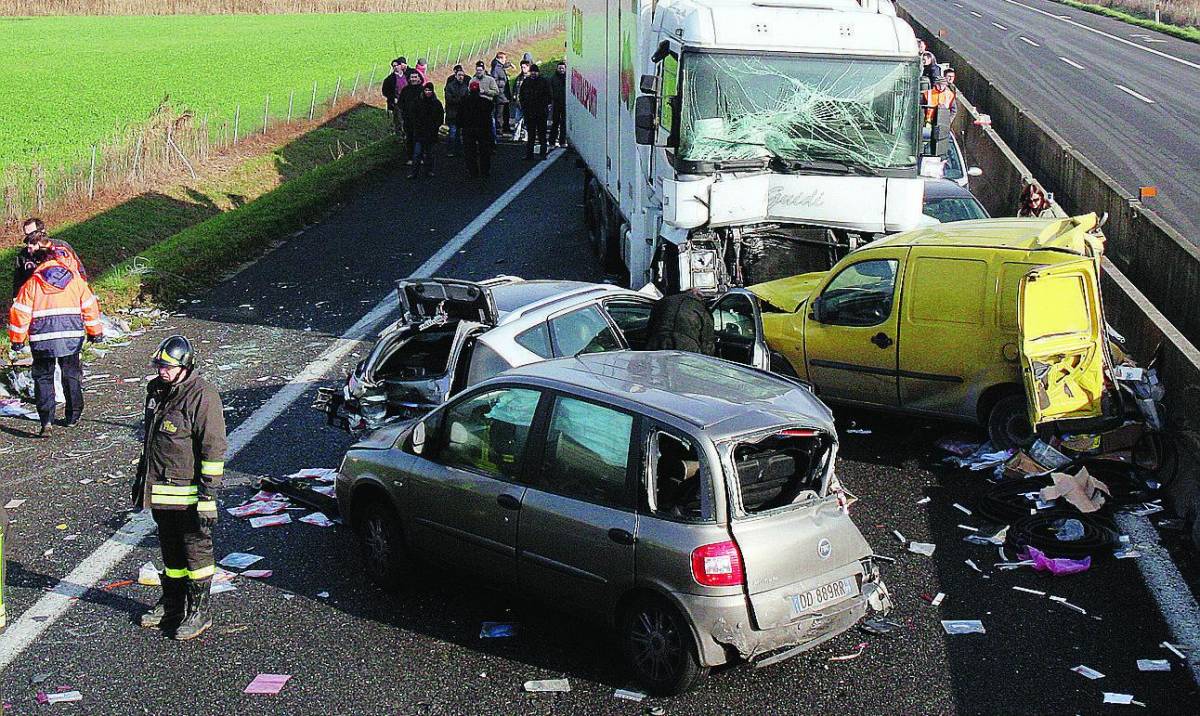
point(1058, 566)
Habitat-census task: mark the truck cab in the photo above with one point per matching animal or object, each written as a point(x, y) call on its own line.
point(728, 143)
point(996, 321)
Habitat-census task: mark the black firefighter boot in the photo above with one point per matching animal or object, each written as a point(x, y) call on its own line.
point(169, 610)
point(199, 612)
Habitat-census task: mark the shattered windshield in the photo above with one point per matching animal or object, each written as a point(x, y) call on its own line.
point(858, 112)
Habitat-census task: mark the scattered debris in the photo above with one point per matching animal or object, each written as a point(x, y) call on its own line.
point(1153, 665)
point(900, 536)
point(117, 584)
point(256, 508)
point(1027, 590)
point(968, 528)
point(937, 599)
point(961, 508)
point(1173, 649)
point(1058, 566)
point(270, 520)
point(258, 573)
point(267, 684)
point(149, 575)
point(971, 563)
point(1084, 492)
point(546, 685)
point(862, 646)
point(629, 695)
point(1063, 601)
point(239, 560)
point(39, 678)
point(858, 431)
point(323, 595)
point(1088, 672)
point(963, 626)
point(60, 697)
point(924, 548)
point(880, 626)
point(13, 504)
point(317, 518)
point(1111, 698)
point(924, 500)
point(497, 630)
point(958, 445)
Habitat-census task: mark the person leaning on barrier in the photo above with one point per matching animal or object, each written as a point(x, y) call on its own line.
point(182, 462)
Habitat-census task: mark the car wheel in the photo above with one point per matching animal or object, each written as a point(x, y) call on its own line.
point(1008, 423)
point(659, 647)
point(382, 545)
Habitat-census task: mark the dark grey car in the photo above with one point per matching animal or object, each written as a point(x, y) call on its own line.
point(689, 500)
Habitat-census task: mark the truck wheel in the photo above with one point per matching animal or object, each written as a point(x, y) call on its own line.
point(1008, 423)
point(382, 546)
point(659, 647)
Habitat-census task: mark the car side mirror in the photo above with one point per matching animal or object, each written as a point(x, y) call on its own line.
point(974, 172)
point(645, 112)
point(816, 310)
point(418, 438)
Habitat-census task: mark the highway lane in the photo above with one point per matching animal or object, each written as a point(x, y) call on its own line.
point(1127, 98)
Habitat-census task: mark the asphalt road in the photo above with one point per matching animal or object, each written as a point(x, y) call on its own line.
point(361, 651)
point(1127, 98)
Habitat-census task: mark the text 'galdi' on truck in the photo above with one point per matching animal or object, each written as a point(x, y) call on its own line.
point(731, 142)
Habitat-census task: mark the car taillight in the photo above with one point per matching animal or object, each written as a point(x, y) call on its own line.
point(718, 565)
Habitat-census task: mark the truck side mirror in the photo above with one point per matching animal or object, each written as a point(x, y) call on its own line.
point(645, 114)
point(650, 84)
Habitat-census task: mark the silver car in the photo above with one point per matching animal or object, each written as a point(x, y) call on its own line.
point(689, 500)
point(453, 334)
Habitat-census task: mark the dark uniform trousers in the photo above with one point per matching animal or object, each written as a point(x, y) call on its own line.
point(72, 383)
point(187, 547)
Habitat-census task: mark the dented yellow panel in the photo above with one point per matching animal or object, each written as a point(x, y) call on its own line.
point(1061, 325)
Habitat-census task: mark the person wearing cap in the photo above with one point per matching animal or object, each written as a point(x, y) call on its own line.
point(52, 313)
point(457, 86)
point(392, 84)
point(36, 238)
point(478, 131)
point(180, 470)
point(428, 116)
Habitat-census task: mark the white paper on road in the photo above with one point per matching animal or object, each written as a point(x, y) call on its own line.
point(13, 504)
point(1153, 665)
point(548, 685)
point(239, 560)
point(1088, 671)
point(963, 626)
point(64, 697)
point(270, 520)
point(1111, 698)
point(924, 548)
point(317, 518)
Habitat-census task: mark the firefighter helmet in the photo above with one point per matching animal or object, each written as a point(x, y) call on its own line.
point(175, 351)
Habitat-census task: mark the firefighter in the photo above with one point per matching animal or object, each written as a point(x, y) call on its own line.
point(183, 458)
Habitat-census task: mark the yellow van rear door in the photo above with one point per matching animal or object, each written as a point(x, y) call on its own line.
point(1061, 325)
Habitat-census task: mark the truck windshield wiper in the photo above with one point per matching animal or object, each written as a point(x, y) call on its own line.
point(832, 166)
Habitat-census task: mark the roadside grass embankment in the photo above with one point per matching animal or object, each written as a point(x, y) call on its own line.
point(163, 243)
point(1119, 12)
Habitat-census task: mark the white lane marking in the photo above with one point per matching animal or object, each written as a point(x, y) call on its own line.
point(998, 25)
point(976, 14)
point(1142, 97)
point(1147, 38)
point(959, 5)
point(54, 604)
point(1072, 63)
point(1026, 40)
point(1122, 40)
point(1175, 602)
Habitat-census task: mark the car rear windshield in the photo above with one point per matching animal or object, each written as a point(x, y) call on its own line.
point(424, 355)
point(781, 469)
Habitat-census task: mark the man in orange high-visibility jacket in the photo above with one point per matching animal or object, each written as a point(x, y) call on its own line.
point(53, 312)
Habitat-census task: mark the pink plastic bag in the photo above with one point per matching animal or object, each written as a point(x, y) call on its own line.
point(1058, 566)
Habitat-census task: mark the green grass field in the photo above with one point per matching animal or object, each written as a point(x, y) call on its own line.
point(70, 82)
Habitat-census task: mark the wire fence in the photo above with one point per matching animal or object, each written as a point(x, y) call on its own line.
point(177, 140)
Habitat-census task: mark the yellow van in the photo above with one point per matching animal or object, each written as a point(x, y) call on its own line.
point(997, 321)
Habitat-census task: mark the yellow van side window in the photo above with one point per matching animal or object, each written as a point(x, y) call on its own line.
point(1010, 284)
point(1061, 307)
point(948, 290)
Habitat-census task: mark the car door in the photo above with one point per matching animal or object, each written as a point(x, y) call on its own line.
point(1061, 325)
point(465, 492)
point(737, 325)
point(578, 523)
point(852, 328)
point(632, 316)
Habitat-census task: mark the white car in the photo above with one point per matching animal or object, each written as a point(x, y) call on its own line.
point(453, 334)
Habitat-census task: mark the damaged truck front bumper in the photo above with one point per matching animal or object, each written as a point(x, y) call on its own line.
point(726, 631)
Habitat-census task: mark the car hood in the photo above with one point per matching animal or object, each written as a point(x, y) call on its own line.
point(386, 436)
point(787, 294)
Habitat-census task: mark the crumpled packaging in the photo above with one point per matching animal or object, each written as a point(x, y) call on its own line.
point(1084, 492)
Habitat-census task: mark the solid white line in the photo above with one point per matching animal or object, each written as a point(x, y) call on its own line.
point(999, 26)
point(1072, 63)
point(1026, 39)
point(53, 605)
point(1143, 98)
point(1175, 602)
point(976, 14)
point(1069, 21)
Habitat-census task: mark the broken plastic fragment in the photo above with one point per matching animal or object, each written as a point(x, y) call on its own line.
point(497, 630)
point(258, 573)
point(937, 599)
point(900, 536)
point(1127, 699)
point(862, 646)
point(317, 518)
point(1153, 665)
point(971, 563)
point(629, 695)
point(1027, 590)
point(148, 574)
point(257, 508)
point(880, 626)
point(924, 548)
point(963, 626)
point(1063, 601)
point(1058, 566)
point(270, 520)
point(961, 508)
point(545, 685)
point(268, 684)
point(924, 500)
point(13, 504)
point(1088, 672)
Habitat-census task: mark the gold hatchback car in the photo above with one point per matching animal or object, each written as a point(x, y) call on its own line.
point(997, 321)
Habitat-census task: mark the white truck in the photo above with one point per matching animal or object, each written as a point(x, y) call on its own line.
point(730, 142)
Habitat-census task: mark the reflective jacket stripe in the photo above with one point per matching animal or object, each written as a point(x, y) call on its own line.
point(175, 489)
point(173, 499)
point(66, 311)
point(175, 573)
point(22, 307)
point(57, 334)
point(214, 468)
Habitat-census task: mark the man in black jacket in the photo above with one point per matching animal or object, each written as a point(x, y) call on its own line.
point(535, 98)
point(681, 322)
point(392, 84)
point(475, 123)
point(457, 86)
point(558, 119)
point(406, 102)
point(427, 123)
point(183, 460)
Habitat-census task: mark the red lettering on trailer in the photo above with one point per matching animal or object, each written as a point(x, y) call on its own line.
point(584, 91)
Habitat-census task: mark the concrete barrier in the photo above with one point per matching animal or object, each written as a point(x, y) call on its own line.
point(1156, 258)
point(1148, 334)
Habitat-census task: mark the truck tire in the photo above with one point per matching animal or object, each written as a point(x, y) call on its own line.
point(589, 203)
point(659, 648)
point(1008, 423)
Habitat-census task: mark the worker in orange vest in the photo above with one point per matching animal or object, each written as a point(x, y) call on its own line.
point(53, 312)
point(939, 97)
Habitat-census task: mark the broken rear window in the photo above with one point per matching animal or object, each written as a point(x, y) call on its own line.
point(781, 469)
point(425, 355)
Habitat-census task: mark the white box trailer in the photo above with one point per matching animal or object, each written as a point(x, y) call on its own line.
point(774, 133)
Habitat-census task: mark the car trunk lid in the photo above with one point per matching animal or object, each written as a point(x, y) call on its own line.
point(427, 299)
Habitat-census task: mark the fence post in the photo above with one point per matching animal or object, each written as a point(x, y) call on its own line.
point(237, 123)
point(40, 188)
point(354, 92)
point(266, 112)
point(460, 49)
point(92, 175)
point(312, 105)
point(336, 90)
point(291, 99)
